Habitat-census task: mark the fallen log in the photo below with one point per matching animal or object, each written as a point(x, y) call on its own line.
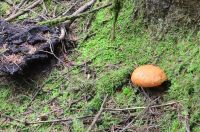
point(20, 45)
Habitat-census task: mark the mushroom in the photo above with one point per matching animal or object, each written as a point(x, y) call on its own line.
point(147, 76)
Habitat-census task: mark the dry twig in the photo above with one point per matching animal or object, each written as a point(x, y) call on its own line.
point(48, 121)
point(139, 115)
point(143, 107)
point(35, 95)
point(24, 11)
point(97, 115)
point(187, 123)
point(57, 120)
point(59, 20)
point(81, 10)
point(74, 4)
point(19, 6)
point(11, 118)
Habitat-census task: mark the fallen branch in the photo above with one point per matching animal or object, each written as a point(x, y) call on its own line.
point(84, 7)
point(24, 11)
point(19, 6)
point(97, 115)
point(80, 10)
point(72, 17)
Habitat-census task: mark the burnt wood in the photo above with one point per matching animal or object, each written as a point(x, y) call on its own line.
point(23, 45)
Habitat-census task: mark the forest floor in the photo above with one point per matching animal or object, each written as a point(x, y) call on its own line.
point(99, 69)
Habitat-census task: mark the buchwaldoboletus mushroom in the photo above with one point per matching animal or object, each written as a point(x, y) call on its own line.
point(147, 76)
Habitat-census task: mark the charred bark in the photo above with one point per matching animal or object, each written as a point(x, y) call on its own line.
point(21, 46)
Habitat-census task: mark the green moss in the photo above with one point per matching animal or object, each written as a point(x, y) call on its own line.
point(4, 8)
point(134, 46)
point(108, 120)
point(94, 104)
point(128, 98)
point(113, 80)
point(78, 126)
point(197, 129)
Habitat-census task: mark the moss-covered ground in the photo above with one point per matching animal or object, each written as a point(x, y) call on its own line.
point(101, 67)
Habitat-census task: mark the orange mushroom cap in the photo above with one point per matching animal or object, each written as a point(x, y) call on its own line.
point(148, 76)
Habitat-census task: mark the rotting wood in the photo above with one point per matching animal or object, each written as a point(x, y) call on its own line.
point(22, 45)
